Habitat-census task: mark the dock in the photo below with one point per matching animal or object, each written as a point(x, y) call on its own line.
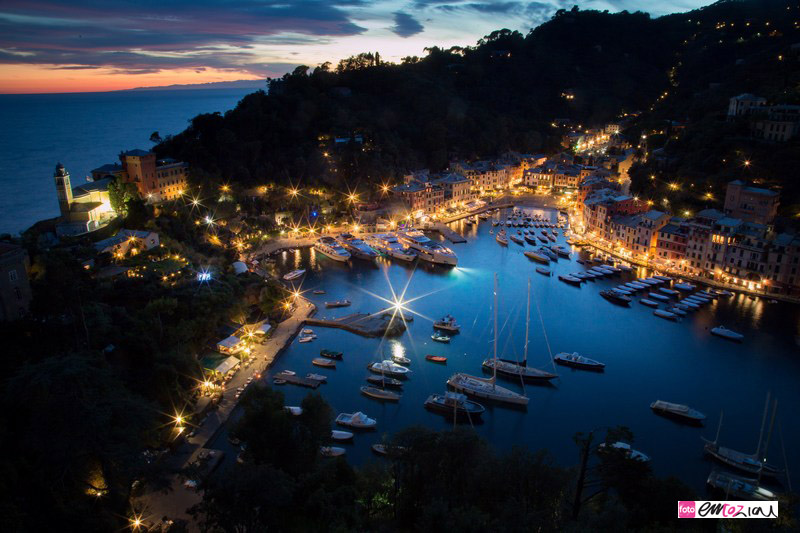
point(366, 325)
point(297, 380)
point(449, 234)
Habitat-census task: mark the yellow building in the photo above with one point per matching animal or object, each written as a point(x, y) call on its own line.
point(85, 208)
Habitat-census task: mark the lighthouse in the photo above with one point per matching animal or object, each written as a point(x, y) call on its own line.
point(63, 189)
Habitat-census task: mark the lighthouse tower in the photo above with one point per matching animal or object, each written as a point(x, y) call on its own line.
point(63, 189)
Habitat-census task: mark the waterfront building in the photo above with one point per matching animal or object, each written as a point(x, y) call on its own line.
point(751, 204)
point(15, 290)
point(671, 242)
point(745, 104)
point(84, 208)
point(156, 180)
point(127, 240)
point(421, 197)
point(457, 189)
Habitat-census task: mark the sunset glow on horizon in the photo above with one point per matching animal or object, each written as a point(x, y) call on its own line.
point(85, 46)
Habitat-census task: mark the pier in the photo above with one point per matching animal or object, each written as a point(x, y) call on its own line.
point(449, 234)
point(298, 380)
point(366, 325)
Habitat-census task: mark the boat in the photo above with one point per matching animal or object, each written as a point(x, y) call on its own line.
point(560, 250)
point(530, 239)
point(616, 297)
point(357, 420)
point(623, 290)
point(691, 305)
point(328, 247)
point(677, 411)
point(331, 354)
point(293, 410)
point(453, 404)
point(547, 252)
point(572, 280)
point(677, 310)
point(426, 249)
point(537, 257)
point(517, 239)
point(294, 274)
point(447, 323)
point(357, 247)
point(401, 359)
point(487, 388)
point(724, 293)
point(502, 238)
point(279, 381)
point(647, 281)
point(625, 268)
point(338, 303)
point(325, 363)
point(668, 292)
point(663, 278)
point(317, 377)
point(388, 244)
point(341, 435)
point(684, 286)
point(668, 315)
point(726, 333)
point(436, 358)
point(543, 270)
point(319, 291)
point(639, 285)
point(739, 487)
point(307, 331)
point(384, 449)
point(331, 451)
point(656, 296)
point(306, 338)
point(753, 464)
point(383, 381)
point(388, 367)
point(438, 337)
point(629, 452)
point(576, 360)
point(380, 394)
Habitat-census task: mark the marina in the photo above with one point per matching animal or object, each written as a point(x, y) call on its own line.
point(647, 366)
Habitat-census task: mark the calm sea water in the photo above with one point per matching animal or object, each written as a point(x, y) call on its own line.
point(83, 131)
point(647, 358)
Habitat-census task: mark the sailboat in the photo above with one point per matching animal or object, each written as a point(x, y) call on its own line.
point(480, 387)
point(754, 464)
point(514, 369)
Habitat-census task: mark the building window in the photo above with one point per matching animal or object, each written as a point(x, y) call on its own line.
point(12, 275)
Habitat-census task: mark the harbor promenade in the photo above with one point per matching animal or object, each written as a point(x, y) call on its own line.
point(178, 499)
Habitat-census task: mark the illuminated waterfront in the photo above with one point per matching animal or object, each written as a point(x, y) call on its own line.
point(647, 358)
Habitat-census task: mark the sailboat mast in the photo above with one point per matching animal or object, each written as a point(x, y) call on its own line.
point(527, 325)
point(719, 426)
point(763, 459)
point(763, 423)
point(494, 366)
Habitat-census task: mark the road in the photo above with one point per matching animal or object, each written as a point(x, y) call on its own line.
point(174, 504)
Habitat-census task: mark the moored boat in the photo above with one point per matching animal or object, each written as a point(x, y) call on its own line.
point(447, 323)
point(668, 315)
point(453, 404)
point(726, 333)
point(383, 381)
point(389, 368)
point(436, 358)
point(537, 257)
point(328, 247)
point(576, 360)
point(338, 303)
point(572, 280)
point(331, 451)
point(739, 487)
point(341, 435)
point(543, 270)
point(438, 337)
point(294, 274)
point(331, 354)
point(616, 297)
point(325, 363)
point(380, 394)
point(356, 420)
point(678, 411)
point(426, 249)
point(626, 449)
point(684, 287)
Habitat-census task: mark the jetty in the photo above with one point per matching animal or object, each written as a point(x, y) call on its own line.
point(364, 324)
point(449, 234)
point(298, 380)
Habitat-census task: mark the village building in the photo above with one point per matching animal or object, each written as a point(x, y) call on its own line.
point(15, 290)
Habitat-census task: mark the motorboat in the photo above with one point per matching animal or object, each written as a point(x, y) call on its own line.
point(623, 290)
point(689, 304)
point(338, 303)
point(537, 257)
point(632, 287)
point(357, 247)
point(543, 270)
point(331, 354)
point(436, 358)
point(501, 237)
point(383, 381)
point(293, 410)
point(401, 359)
point(389, 368)
point(438, 337)
point(625, 268)
point(684, 287)
point(317, 377)
point(668, 292)
point(328, 247)
point(677, 310)
point(331, 451)
point(357, 420)
point(341, 435)
point(739, 487)
point(307, 331)
point(576, 360)
point(639, 285)
point(517, 239)
point(294, 274)
point(530, 239)
point(447, 323)
point(616, 297)
point(656, 296)
point(572, 280)
point(722, 331)
point(428, 250)
point(663, 278)
point(648, 303)
point(678, 411)
point(626, 449)
point(306, 338)
point(668, 315)
point(547, 252)
point(454, 404)
point(388, 244)
point(560, 251)
point(380, 394)
point(648, 281)
point(318, 291)
point(385, 449)
point(324, 363)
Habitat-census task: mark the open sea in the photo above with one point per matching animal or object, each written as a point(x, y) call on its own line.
point(647, 358)
point(83, 131)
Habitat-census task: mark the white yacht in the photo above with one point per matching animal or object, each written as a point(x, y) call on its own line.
point(330, 248)
point(428, 250)
point(388, 244)
point(357, 247)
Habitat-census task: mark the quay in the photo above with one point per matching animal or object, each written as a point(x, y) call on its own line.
point(366, 325)
point(449, 234)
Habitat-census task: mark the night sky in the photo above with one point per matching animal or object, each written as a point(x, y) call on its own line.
point(94, 45)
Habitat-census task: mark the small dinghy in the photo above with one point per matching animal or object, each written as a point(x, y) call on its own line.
point(677, 411)
point(438, 337)
point(667, 315)
point(331, 354)
point(684, 287)
point(722, 331)
point(356, 420)
point(436, 358)
point(572, 280)
point(338, 303)
point(317, 377)
point(543, 270)
point(331, 451)
point(293, 410)
point(648, 303)
point(384, 449)
point(625, 448)
point(380, 394)
point(384, 382)
point(656, 296)
point(341, 435)
point(325, 363)
point(401, 359)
